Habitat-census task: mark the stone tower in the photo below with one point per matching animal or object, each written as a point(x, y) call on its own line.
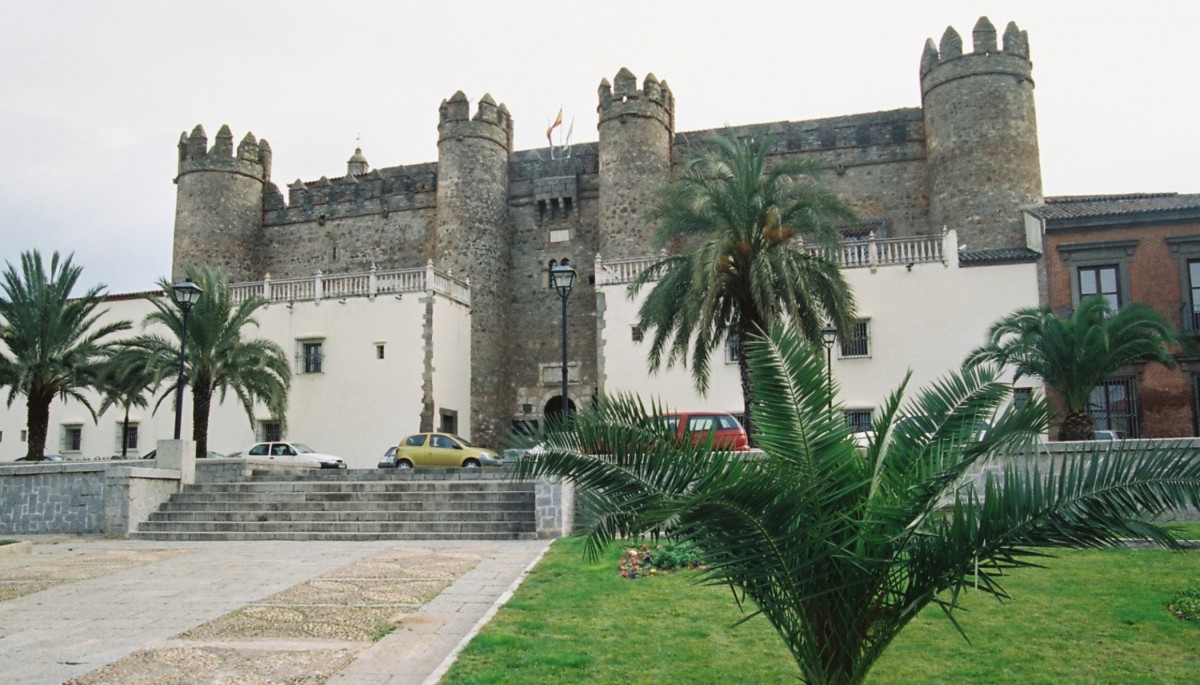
point(473, 236)
point(219, 204)
point(636, 132)
point(981, 135)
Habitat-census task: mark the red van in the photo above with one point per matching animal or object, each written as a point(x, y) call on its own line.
point(729, 433)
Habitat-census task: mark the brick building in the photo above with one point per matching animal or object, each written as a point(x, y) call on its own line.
point(1131, 248)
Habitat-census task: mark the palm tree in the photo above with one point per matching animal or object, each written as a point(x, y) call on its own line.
point(750, 266)
point(126, 377)
point(52, 340)
point(837, 546)
point(1075, 354)
point(218, 358)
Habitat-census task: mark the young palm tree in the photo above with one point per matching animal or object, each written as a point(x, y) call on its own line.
point(749, 268)
point(1074, 355)
point(51, 341)
point(840, 547)
point(218, 358)
point(126, 377)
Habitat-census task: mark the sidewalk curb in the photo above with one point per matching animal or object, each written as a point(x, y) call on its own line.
point(443, 667)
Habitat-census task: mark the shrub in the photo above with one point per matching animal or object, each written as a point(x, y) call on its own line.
point(1186, 604)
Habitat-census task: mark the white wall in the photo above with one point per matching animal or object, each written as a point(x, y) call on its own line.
point(355, 409)
point(926, 319)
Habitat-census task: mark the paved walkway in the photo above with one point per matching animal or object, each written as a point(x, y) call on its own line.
point(161, 589)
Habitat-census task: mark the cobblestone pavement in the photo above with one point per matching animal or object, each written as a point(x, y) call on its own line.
point(89, 611)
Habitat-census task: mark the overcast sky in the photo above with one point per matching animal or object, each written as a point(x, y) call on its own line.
point(94, 95)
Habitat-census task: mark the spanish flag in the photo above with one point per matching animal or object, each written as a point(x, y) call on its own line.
point(556, 124)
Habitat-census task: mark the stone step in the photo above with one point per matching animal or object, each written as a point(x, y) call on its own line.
point(521, 514)
point(410, 475)
point(454, 527)
point(355, 505)
point(398, 507)
point(363, 486)
point(380, 497)
point(200, 536)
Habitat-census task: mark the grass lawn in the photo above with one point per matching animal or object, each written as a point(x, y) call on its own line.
point(1089, 617)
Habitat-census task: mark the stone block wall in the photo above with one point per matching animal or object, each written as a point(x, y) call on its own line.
point(52, 498)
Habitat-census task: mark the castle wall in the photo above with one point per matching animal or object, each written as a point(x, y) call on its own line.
point(967, 159)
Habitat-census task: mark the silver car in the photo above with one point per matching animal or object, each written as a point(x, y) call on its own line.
point(296, 452)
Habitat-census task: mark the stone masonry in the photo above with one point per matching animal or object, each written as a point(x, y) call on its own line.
point(966, 159)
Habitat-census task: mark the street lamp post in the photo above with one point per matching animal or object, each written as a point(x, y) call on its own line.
point(562, 278)
point(828, 337)
point(185, 293)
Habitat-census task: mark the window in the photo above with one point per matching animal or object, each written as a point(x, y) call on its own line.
point(733, 348)
point(128, 441)
point(1102, 281)
point(1113, 406)
point(269, 431)
point(72, 438)
point(635, 333)
point(859, 420)
point(379, 350)
point(415, 440)
point(859, 342)
point(24, 435)
point(311, 356)
point(449, 421)
point(1100, 268)
point(1186, 251)
point(1191, 322)
point(1021, 396)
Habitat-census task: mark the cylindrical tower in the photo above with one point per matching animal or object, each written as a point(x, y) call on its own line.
point(981, 136)
point(636, 131)
point(218, 204)
point(473, 236)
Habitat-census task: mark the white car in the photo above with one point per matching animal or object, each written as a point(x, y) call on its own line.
point(296, 452)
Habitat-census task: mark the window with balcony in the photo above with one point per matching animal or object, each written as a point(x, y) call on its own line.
point(1186, 251)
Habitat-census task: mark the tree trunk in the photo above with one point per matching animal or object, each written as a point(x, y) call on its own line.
point(37, 421)
point(201, 405)
point(125, 435)
point(1077, 425)
point(744, 372)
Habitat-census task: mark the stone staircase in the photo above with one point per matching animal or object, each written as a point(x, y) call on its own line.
point(383, 504)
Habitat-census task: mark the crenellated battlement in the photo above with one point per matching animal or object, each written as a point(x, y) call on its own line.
point(253, 156)
point(623, 98)
point(378, 191)
point(491, 121)
point(946, 61)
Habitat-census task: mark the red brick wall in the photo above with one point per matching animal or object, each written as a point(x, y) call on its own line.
point(1165, 396)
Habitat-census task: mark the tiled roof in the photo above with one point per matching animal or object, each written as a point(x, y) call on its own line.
point(1000, 255)
point(1135, 206)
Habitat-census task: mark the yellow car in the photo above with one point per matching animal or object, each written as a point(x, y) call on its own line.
point(441, 450)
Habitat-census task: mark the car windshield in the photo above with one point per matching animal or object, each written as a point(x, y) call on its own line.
point(462, 441)
point(302, 448)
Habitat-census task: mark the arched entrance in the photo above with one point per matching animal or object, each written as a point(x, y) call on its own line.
point(553, 408)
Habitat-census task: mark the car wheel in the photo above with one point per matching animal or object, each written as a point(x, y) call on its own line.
point(404, 464)
point(471, 464)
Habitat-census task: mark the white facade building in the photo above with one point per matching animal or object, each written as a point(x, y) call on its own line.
point(919, 309)
point(364, 359)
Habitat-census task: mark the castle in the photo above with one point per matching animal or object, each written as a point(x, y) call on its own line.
point(966, 159)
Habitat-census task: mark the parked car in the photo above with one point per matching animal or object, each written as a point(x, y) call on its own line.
point(296, 452)
point(48, 457)
point(153, 454)
point(727, 431)
point(388, 460)
point(1109, 435)
point(442, 450)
